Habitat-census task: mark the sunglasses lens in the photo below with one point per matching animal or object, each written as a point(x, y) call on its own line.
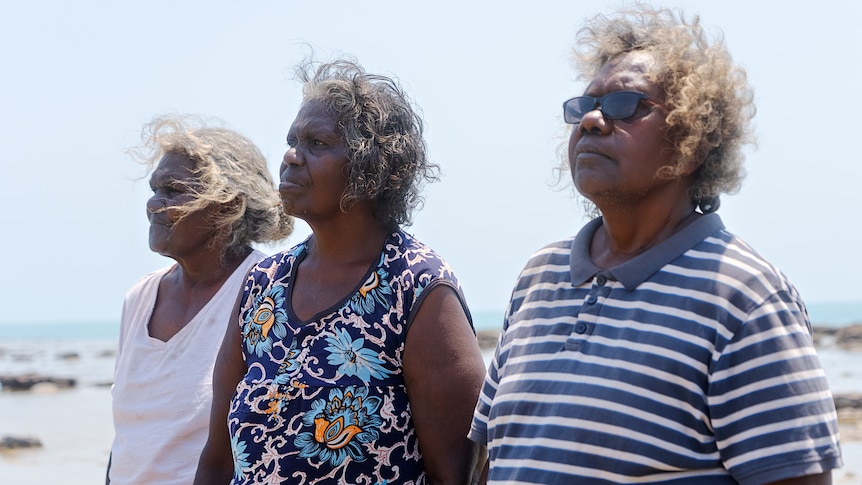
point(614, 106)
point(575, 108)
point(617, 106)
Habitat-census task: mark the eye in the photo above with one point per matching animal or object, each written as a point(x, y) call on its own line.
point(175, 189)
point(642, 109)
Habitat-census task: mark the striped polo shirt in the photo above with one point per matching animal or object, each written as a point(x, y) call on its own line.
point(691, 363)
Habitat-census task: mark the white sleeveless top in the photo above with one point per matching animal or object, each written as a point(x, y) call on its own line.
point(162, 391)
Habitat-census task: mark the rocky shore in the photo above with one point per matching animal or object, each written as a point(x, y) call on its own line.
point(49, 382)
point(847, 338)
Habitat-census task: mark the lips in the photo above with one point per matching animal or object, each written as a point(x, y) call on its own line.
point(586, 150)
point(161, 219)
point(289, 184)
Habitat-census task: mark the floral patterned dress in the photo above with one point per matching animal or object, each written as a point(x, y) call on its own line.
point(324, 400)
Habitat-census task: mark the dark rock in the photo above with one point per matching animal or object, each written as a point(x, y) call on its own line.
point(824, 330)
point(849, 337)
point(18, 442)
point(69, 356)
point(487, 339)
point(844, 401)
point(26, 382)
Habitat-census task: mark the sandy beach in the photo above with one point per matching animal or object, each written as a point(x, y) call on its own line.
point(74, 425)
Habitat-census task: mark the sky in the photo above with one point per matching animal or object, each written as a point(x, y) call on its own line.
point(79, 79)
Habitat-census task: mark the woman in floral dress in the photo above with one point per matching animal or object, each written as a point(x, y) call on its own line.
point(353, 359)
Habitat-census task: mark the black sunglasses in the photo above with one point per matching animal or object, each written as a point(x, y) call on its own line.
point(614, 106)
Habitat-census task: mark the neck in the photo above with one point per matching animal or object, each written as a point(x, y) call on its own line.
point(627, 234)
point(208, 268)
point(356, 238)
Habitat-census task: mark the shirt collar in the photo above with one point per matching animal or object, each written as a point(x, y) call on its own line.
point(640, 268)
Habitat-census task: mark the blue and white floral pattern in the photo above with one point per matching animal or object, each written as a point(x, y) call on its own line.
point(324, 401)
point(341, 425)
point(240, 457)
point(267, 320)
point(352, 359)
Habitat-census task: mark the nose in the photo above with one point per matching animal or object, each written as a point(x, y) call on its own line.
point(290, 158)
point(594, 122)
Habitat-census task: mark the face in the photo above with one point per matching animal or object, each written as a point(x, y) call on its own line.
point(614, 162)
point(312, 172)
point(171, 235)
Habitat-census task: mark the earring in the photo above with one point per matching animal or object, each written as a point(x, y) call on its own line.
point(709, 205)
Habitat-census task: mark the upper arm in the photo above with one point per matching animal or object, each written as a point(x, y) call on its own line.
point(216, 461)
point(443, 371)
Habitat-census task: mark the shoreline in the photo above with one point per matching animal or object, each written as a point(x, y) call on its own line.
point(75, 428)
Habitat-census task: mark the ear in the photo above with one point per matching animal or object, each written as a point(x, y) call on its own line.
point(689, 168)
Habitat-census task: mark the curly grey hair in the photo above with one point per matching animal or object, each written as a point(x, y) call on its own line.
point(710, 102)
point(388, 160)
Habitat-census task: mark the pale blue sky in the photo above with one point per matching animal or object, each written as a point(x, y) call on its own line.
point(80, 78)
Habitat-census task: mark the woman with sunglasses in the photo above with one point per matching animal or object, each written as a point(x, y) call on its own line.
point(655, 346)
point(353, 359)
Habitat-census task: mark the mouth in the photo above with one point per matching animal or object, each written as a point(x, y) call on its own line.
point(288, 185)
point(586, 156)
point(584, 151)
point(157, 220)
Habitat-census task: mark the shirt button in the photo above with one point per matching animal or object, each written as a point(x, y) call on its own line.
point(592, 299)
point(601, 280)
point(581, 327)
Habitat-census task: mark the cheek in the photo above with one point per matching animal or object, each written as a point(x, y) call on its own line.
point(173, 215)
point(574, 136)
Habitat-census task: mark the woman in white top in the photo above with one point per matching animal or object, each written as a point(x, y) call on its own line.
point(212, 198)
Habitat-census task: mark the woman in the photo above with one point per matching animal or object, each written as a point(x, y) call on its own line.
point(212, 198)
point(656, 346)
point(354, 359)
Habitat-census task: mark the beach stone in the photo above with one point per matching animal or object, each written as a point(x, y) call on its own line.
point(26, 382)
point(68, 356)
point(849, 337)
point(18, 442)
point(487, 339)
point(844, 401)
point(824, 336)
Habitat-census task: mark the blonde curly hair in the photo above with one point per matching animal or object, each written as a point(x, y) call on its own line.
point(230, 171)
point(710, 102)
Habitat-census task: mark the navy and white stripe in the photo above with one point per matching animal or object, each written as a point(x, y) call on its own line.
point(691, 362)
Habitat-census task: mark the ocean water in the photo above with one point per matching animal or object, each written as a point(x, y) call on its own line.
point(74, 425)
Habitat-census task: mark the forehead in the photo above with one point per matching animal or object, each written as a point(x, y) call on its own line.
point(632, 71)
point(174, 166)
point(315, 117)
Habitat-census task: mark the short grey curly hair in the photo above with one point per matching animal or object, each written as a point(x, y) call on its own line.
point(710, 102)
point(388, 161)
point(231, 171)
